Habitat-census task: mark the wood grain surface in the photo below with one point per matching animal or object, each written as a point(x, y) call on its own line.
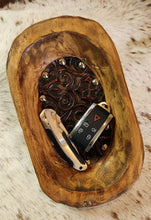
point(29, 55)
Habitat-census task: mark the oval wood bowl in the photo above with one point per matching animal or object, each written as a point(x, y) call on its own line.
point(29, 55)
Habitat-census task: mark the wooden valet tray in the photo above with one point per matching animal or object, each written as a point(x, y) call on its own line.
point(32, 51)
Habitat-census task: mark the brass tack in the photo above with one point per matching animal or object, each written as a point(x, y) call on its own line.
point(62, 62)
point(45, 75)
point(104, 147)
point(95, 82)
point(82, 65)
point(43, 98)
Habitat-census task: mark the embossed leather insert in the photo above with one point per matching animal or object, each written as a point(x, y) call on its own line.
point(69, 86)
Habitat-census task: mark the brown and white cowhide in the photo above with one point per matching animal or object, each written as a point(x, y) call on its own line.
point(128, 23)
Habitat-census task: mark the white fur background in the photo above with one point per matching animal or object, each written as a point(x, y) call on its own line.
point(128, 22)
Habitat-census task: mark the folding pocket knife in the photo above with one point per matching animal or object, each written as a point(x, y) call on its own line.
point(62, 143)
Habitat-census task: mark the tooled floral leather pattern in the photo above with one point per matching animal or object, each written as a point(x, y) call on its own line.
point(70, 90)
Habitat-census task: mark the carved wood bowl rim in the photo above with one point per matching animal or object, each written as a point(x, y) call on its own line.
point(116, 93)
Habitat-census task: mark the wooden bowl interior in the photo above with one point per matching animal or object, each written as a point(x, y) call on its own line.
point(107, 171)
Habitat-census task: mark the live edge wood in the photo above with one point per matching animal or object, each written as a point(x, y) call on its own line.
point(30, 53)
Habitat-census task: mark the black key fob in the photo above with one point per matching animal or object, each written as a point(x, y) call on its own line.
point(90, 126)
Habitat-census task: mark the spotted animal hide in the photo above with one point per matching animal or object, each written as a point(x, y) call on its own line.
point(128, 23)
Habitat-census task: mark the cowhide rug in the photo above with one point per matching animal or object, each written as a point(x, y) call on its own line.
point(128, 23)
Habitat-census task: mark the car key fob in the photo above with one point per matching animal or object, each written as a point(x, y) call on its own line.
point(59, 135)
point(90, 126)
